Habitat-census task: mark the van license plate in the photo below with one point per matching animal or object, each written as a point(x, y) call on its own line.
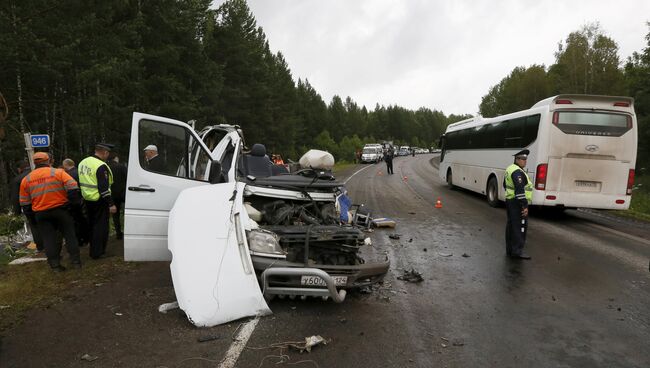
point(317, 281)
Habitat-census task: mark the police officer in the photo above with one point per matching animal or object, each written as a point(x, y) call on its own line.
point(95, 179)
point(519, 193)
point(47, 192)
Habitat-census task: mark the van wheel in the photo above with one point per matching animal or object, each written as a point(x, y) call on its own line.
point(492, 192)
point(450, 179)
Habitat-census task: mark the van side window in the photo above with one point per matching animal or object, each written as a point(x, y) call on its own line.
point(171, 155)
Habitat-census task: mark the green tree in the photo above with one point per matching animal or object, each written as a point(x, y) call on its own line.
point(587, 63)
point(324, 142)
point(637, 75)
point(520, 90)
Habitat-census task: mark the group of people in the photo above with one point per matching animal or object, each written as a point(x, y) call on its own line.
point(74, 202)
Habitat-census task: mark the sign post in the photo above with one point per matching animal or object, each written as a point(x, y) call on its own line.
point(35, 141)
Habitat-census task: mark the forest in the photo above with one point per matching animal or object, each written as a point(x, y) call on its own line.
point(78, 69)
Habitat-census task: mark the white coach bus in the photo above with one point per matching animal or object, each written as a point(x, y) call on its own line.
point(582, 151)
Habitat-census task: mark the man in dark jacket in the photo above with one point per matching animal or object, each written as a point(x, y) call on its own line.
point(82, 229)
point(388, 157)
point(23, 169)
point(118, 191)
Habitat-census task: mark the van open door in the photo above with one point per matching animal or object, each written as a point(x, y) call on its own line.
point(153, 183)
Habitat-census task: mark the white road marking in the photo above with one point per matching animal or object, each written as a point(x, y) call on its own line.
point(351, 176)
point(240, 343)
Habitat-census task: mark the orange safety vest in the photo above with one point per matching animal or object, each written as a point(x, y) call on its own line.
point(45, 188)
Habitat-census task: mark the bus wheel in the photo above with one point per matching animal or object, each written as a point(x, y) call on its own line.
point(492, 192)
point(450, 179)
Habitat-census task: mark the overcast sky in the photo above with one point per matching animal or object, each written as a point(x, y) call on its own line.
point(440, 54)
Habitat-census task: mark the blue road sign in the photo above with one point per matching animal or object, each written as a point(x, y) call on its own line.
point(40, 140)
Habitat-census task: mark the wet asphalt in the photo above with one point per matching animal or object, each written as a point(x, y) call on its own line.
point(582, 301)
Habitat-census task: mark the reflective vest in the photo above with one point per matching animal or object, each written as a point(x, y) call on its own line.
point(46, 188)
point(88, 178)
point(510, 185)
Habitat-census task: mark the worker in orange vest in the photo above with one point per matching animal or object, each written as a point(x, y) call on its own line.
point(46, 192)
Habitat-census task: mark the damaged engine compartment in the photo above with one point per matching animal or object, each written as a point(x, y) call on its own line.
point(306, 232)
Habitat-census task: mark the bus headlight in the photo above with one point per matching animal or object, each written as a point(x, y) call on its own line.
point(265, 243)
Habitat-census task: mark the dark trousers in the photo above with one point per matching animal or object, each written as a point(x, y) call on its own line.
point(117, 222)
point(50, 222)
point(389, 166)
point(98, 221)
point(36, 234)
point(80, 224)
point(516, 227)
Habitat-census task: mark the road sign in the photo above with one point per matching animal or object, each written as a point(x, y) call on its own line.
point(40, 140)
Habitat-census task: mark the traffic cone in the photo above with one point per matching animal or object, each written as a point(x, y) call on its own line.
point(438, 203)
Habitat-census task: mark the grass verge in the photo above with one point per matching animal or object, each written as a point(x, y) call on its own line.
point(640, 205)
point(34, 286)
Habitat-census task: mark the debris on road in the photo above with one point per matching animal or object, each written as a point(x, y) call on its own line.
point(89, 358)
point(206, 338)
point(411, 276)
point(445, 254)
point(383, 222)
point(166, 307)
point(466, 255)
point(24, 260)
point(458, 342)
point(4, 307)
point(367, 241)
point(310, 342)
point(394, 236)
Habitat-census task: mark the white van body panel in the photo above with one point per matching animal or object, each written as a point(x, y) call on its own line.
point(212, 271)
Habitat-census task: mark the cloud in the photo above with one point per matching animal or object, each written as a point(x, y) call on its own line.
point(442, 54)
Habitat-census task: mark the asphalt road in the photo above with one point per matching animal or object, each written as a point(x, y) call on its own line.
point(582, 301)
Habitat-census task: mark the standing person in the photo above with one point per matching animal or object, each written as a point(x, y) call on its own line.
point(77, 210)
point(388, 157)
point(153, 161)
point(519, 193)
point(118, 192)
point(23, 169)
point(46, 192)
point(69, 167)
point(95, 179)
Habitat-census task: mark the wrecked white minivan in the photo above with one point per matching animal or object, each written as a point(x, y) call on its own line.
point(237, 228)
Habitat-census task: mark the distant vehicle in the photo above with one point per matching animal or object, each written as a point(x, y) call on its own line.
point(404, 151)
point(582, 151)
point(372, 153)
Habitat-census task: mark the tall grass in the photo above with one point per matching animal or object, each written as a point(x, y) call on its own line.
point(640, 206)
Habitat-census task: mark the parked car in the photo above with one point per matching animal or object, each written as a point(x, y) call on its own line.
point(237, 229)
point(371, 154)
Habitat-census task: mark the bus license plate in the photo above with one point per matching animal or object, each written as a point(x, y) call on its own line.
point(317, 281)
point(588, 185)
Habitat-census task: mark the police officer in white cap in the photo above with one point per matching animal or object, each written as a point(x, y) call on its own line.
point(152, 160)
point(519, 193)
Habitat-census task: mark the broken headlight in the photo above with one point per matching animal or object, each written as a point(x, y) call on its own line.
point(265, 243)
